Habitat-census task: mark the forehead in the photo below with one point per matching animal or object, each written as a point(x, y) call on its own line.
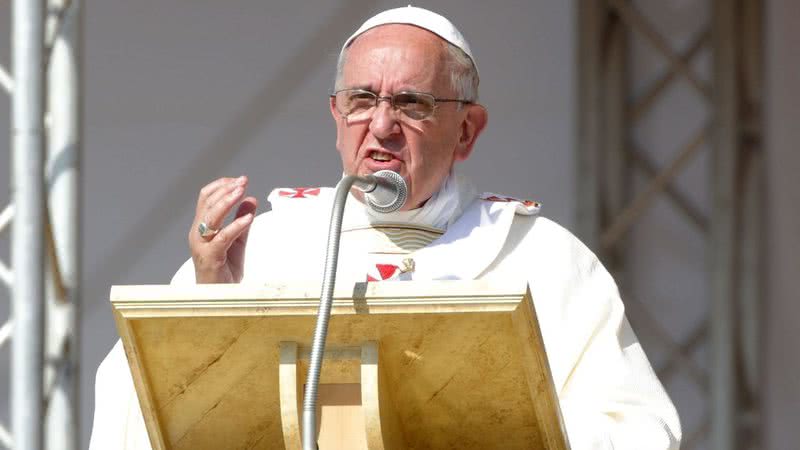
point(395, 54)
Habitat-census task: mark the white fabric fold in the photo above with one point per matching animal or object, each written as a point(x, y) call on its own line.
point(440, 211)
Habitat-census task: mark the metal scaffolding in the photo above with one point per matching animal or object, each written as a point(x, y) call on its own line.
point(44, 276)
point(609, 156)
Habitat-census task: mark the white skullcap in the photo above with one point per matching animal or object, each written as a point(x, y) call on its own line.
point(411, 15)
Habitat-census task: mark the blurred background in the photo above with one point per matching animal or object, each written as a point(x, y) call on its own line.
point(661, 132)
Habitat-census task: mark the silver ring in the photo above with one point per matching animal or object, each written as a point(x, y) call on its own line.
point(206, 231)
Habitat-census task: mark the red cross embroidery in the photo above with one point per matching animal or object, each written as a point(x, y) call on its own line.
point(385, 271)
point(301, 192)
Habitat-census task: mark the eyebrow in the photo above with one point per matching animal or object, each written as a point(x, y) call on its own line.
point(369, 89)
point(363, 88)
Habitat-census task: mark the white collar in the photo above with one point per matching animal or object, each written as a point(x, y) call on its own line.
point(439, 212)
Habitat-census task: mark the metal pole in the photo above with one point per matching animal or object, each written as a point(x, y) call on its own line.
point(613, 162)
point(28, 232)
point(615, 140)
point(725, 149)
point(751, 218)
point(63, 175)
point(589, 134)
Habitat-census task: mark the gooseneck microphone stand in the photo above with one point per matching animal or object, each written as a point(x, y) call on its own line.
point(385, 192)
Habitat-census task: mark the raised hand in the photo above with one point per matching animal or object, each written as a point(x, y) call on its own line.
point(218, 249)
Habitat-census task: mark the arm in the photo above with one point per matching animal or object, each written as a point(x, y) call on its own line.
point(118, 421)
point(609, 395)
point(613, 400)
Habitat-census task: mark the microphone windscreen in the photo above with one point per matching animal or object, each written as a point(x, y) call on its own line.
point(390, 194)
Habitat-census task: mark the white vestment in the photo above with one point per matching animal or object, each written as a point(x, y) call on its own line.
point(609, 396)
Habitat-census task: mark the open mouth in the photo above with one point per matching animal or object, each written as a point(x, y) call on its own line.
point(378, 155)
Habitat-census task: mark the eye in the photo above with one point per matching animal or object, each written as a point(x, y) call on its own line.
point(361, 95)
point(414, 105)
point(360, 100)
point(408, 99)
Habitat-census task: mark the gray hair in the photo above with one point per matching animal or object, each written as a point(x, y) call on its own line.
point(463, 74)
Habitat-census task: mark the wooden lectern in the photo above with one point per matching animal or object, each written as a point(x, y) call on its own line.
point(408, 365)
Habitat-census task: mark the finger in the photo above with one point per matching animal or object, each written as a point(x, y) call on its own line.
point(212, 187)
point(248, 206)
point(204, 212)
point(214, 217)
point(224, 189)
point(216, 190)
point(220, 195)
point(228, 235)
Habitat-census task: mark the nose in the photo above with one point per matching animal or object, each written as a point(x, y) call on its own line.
point(384, 119)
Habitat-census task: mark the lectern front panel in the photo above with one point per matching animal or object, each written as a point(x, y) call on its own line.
point(455, 366)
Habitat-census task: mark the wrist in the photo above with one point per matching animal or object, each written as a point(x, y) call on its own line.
point(213, 277)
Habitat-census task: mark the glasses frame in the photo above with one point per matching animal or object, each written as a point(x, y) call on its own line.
point(391, 100)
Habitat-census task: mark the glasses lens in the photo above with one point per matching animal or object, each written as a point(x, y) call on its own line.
point(354, 102)
point(415, 105)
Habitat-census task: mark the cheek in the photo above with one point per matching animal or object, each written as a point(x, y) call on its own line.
point(348, 139)
point(435, 162)
point(436, 154)
point(339, 135)
point(427, 161)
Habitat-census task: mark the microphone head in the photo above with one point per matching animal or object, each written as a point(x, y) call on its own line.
point(390, 194)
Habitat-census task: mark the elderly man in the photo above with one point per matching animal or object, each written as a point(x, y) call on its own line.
point(405, 100)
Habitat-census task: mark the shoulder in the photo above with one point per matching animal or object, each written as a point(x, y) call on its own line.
point(298, 198)
point(532, 236)
point(294, 213)
point(541, 238)
point(529, 227)
point(541, 227)
point(293, 210)
point(525, 207)
point(298, 205)
point(529, 223)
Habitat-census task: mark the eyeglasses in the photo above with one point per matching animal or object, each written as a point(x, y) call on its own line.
point(359, 104)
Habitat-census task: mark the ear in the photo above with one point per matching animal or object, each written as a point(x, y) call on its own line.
point(332, 105)
point(472, 125)
point(337, 120)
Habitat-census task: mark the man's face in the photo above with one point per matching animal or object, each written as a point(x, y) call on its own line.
point(390, 59)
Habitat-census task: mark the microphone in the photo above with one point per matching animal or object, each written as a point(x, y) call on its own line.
point(385, 191)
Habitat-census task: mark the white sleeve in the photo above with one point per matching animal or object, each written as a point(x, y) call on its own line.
point(609, 395)
point(613, 399)
point(185, 274)
point(118, 421)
